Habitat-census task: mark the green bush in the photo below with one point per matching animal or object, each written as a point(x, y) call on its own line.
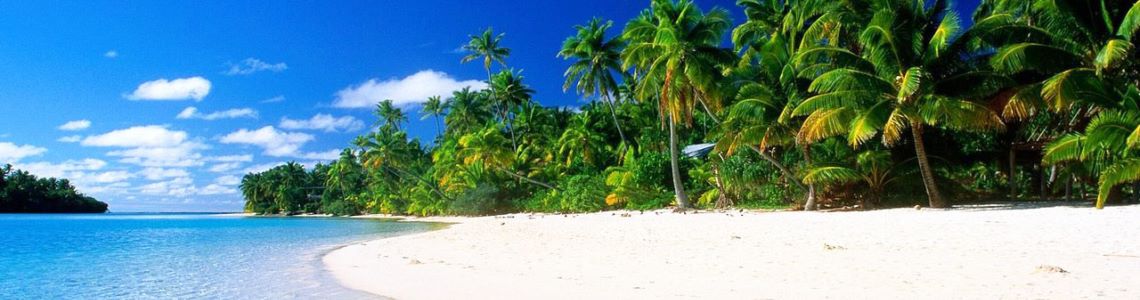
point(578, 193)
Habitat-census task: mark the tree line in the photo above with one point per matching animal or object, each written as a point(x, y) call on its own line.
point(22, 192)
point(807, 104)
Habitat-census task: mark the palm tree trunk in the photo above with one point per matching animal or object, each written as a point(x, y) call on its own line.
point(809, 204)
point(783, 169)
point(527, 179)
point(613, 114)
point(932, 193)
point(404, 174)
point(1012, 173)
point(722, 201)
point(678, 185)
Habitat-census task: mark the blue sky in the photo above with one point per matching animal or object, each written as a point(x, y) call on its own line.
point(162, 106)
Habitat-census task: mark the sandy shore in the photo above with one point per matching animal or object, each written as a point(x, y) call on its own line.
point(979, 253)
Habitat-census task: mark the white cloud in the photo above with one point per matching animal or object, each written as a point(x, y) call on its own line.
point(138, 136)
point(193, 113)
point(327, 155)
point(274, 142)
point(253, 65)
point(228, 180)
point(10, 153)
point(75, 125)
point(112, 176)
point(404, 91)
point(274, 99)
point(233, 158)
point(224, 167)
point(163, 173)
point(217, 189)
point(150, 146)
point(46, 169)
point(70, 139)
point(324, 122)
point(111, 54)
point(178, 89)
point(177, 187)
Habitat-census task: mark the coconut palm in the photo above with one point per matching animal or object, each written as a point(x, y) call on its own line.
point(487, 149)
point(674, 50)
point(508, 92)
point(486, 46)
point(468, 111)
point(434, 107)
point(909, 75)
point(596, 60)
point(580, 141)
point(387, 114)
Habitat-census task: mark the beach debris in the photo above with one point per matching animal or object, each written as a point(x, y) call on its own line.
point(626, 215)
point(736, 237)
point(918, 207)
point(503, 223)
point(1050, 269)
point(415, 262)
point(831, 247)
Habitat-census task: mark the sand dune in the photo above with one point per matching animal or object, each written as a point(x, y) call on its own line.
point(981, 252)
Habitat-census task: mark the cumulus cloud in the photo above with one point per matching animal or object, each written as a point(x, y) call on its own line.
point(112, 176)
point(228, 180)
point(261, 167)
point(405, 91)
point(195, 88)
point(163, 173)
point(193, 113)
point(10, 152)
point(326, 155)
point(224, 167)
point(75, 125)
point(70, 139)
point(111, 54)
point(275, 142)
point(138, 136)
point(84, 174)
point(324, 122)
point(232, 158)
point(150, 146)
point(60, 170)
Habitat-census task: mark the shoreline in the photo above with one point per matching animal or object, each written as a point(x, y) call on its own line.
point(1055, 252)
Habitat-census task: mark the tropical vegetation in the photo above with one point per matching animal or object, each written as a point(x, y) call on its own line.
point(804, 104)
point(22, 192)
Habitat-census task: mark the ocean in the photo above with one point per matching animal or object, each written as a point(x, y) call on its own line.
point(178, 256)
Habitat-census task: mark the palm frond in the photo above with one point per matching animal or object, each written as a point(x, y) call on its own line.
point(1119, 172)
point(1114, 52)
point(829, 175)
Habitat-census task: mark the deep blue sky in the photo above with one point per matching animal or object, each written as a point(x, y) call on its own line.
point(275, 72)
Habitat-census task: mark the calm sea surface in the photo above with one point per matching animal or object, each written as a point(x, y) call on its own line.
point(178, 256)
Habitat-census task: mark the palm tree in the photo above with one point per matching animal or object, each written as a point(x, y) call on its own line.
point(580, 141)
point(486, 46)
point(1079, 58)
point(909, 75)
point(507, 92)
point(674, 50)
point(596, 59)
point(434, 107)
point(467, 111)
point(389, 115)
point(486, 148)
point(1108, 147)
point(390, 151)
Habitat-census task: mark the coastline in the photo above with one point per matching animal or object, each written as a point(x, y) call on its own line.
point(1047, 252)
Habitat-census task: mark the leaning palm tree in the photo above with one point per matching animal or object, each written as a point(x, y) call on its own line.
point(674, 50)
point(486, 46)
point(596, 60)
point(909, 74)
point(434, 107)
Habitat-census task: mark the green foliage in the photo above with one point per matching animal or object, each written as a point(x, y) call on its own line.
point(22, 192)
point(578, 193)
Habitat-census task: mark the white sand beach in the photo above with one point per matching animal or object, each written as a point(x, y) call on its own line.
point(1055, 252)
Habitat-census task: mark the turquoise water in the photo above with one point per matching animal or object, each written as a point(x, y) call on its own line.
point(177, 256)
